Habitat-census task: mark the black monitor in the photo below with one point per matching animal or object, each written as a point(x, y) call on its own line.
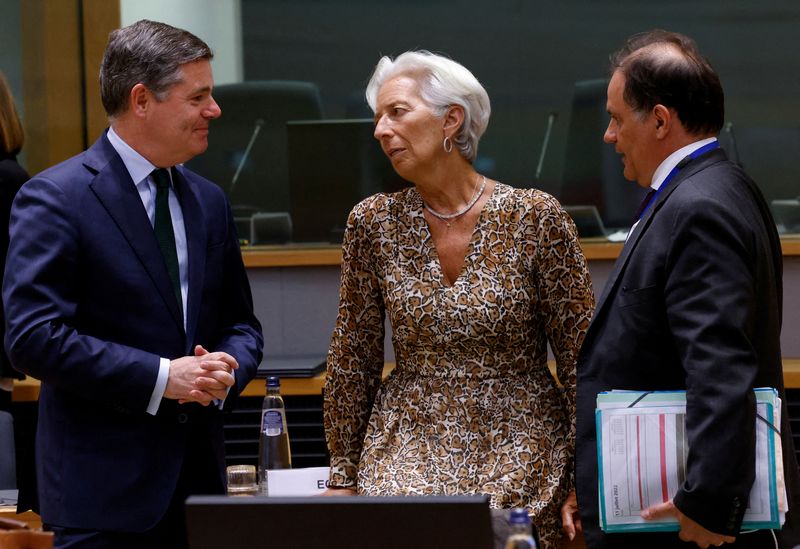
point(440, 522)
point(587, 220)
point(247, 146)
point(593, 171)
point(768, 154)
point(333, 164)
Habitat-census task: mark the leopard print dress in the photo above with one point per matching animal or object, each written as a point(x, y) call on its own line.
point(471, 406)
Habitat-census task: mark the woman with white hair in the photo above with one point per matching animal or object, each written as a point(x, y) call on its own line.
point(476, 278)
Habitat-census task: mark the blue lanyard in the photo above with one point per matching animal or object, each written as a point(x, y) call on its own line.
point(702, 150)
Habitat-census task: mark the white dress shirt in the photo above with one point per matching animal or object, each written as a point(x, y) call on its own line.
point(139, 169)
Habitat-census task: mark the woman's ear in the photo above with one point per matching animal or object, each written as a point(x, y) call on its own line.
point(453, 119)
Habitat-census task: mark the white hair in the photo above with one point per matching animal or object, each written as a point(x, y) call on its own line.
point(442, 83)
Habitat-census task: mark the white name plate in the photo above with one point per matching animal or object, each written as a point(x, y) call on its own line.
point(309, 481)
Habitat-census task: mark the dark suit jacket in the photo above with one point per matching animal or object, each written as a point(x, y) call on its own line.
point(694, 303)
point(90, 309)
point(12, 176)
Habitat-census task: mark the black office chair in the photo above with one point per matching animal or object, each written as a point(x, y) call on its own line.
point(255, 111)
point(8, 460)
point(592, 170)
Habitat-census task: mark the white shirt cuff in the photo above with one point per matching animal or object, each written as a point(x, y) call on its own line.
point(161, 386)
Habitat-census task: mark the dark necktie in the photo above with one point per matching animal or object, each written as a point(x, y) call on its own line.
point(165, 233)
point(643, 206)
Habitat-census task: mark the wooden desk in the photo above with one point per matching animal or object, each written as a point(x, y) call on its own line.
point(791, 373)
point(313, 386)
point(29, 517)
point(327, 255)
point(289, 386)
point(28, 389)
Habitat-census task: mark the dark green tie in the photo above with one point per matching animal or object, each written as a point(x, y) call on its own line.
point(165, 233)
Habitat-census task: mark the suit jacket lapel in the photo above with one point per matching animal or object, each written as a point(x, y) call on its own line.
point(690, 169)
point(194, 223)
point(114, 188)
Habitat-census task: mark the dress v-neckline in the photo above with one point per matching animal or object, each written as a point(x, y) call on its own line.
point(433, 252)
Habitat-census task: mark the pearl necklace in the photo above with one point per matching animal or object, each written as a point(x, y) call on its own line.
point(448, 218)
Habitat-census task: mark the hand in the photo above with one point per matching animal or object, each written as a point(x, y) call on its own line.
point(210, 383)
point(690, 530)
point(570, 519)
point(334, 492)
point(201, 378)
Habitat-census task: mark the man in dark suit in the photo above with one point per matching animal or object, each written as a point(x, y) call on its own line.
point(127, 297)
point(693, 302)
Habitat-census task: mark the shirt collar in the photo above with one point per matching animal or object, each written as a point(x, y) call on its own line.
point(672, 160)
point(137, 165)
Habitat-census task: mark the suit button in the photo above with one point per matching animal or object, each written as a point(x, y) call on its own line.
point(183, 418)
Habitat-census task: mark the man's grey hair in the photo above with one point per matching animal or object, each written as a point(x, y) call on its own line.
point(146, 52)
point(442, 83)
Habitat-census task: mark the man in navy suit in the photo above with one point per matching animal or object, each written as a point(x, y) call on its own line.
point(127, 297)
point(693, 303)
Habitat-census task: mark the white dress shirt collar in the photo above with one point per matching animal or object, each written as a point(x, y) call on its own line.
point(672, 160)
point(137, 165)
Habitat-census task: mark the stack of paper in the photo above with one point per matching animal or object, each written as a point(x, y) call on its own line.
point(642, 449)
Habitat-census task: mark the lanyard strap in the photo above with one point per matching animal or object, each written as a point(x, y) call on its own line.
point(699, 152)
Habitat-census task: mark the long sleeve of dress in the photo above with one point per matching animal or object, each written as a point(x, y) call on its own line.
point(355, 358)
point(565, 294)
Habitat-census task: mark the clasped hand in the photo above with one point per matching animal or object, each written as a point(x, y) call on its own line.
point(201, 378)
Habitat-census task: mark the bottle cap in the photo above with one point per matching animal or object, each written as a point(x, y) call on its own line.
point(273, 381)
point(519, 516)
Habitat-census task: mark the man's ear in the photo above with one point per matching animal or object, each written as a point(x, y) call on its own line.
point(663, 120)
point(453, 119)
point(139, 100)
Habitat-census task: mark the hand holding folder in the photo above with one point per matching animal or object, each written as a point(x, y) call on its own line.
point(642, 449)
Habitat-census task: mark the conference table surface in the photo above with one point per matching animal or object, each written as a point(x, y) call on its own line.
point(321, 255)
point(27, 390)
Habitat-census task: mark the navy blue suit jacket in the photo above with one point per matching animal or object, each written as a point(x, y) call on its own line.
point(694, 303)
point(90, 310)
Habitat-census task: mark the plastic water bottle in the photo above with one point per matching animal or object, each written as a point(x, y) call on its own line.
point(521, 536)
point(273, 444)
